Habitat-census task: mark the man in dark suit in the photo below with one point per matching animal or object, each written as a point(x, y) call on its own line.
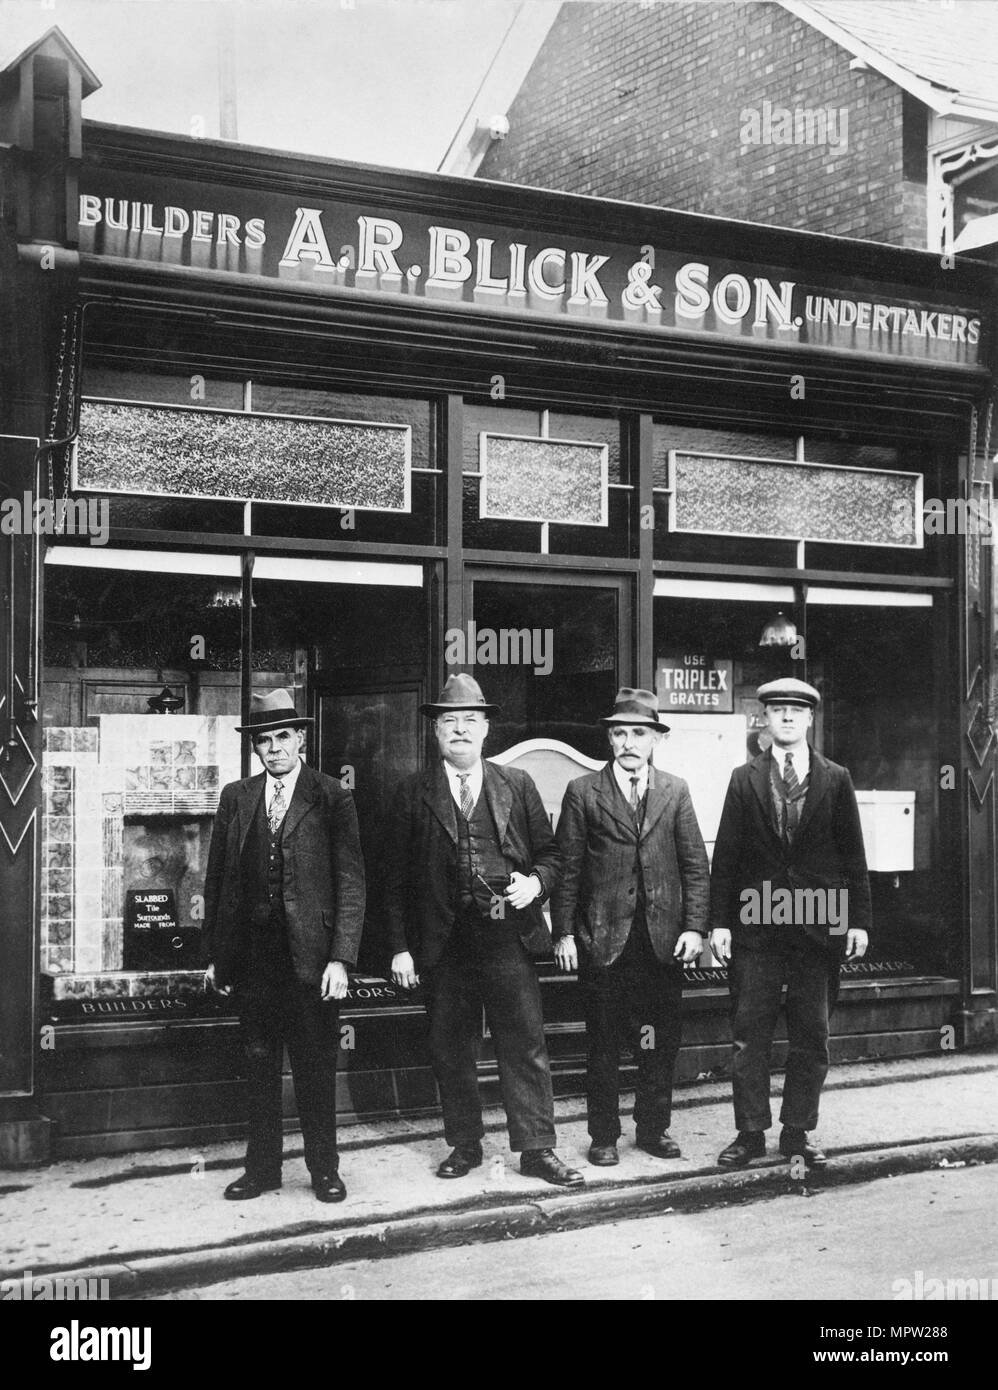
point(629, 912)
point(469, 858)
point(789, 898)
point(284, 909)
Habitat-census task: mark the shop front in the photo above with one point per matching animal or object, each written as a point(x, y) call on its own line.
point(344, 430)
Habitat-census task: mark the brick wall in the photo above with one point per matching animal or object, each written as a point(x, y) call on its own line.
point(649, 103)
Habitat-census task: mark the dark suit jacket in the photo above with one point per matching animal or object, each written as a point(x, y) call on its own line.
point(827, 853)
point(602, 849)
point(421, 871)
point(323, 877)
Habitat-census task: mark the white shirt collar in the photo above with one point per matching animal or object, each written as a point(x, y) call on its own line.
point(288, 781)
point(624, 780)
point(475, 779)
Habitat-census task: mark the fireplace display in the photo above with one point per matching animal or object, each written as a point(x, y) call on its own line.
point(128, 815)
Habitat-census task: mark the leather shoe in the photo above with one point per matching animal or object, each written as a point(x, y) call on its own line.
point(545, 1163)
point(794, 1144)
point(746, 1145)
point(247, 1187)
point(460, 1161)
point(604, 1155)
point(662, 1146)
point(328, 1187)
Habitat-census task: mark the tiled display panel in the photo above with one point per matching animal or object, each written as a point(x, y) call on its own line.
point(157, 775)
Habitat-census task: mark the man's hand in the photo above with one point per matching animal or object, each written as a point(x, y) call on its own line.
point(209, 979)
point(334, 980)
point(688, 947)
point(720, 944)
point(523, 889)
point(565, 955)
point(404, 971)
point(856, 943)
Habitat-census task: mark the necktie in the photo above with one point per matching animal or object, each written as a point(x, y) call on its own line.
point(278, 807)
point(791, 809)
point(467, 802)
point(635, 799)
point(789, 774)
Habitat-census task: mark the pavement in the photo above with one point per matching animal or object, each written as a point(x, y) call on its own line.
point(156, 1221)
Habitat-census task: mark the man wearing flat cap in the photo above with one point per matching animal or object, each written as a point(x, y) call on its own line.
point(284, 909)
point(629, 912)
point(790, 897)
point(469, 858)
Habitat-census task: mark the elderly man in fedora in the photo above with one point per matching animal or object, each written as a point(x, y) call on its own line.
point(629, 912)
point(469, 858)
point(284, 909)
point(789, 899)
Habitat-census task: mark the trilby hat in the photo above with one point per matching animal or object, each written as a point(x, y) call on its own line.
point(459, 692)
point(275, 710)
point(635, 706)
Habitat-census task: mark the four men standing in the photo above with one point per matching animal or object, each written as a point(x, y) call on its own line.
point(469, 857)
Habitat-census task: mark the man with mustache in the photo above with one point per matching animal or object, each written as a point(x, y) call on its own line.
point(629, 913)
point(469, 858)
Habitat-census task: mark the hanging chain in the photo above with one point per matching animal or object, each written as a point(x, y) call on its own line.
point(67, 451)
point(57, 403)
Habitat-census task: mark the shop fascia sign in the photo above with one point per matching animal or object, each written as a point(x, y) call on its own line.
point(347, 247)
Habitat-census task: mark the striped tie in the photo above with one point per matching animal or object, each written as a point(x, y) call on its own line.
point(791, 804)
point(467, 801)
point(790, 775)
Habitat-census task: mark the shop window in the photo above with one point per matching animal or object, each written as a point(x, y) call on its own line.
point(544, 482)
point(751, 499)
point(322, 464)
point(141, 699)
point(872, 657)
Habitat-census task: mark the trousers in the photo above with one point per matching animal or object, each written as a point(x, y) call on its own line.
point(757, 979)
point(277, 1010)
point(636, 1002)
point(486, 967)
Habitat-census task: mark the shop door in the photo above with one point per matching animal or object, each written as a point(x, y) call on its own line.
point(551, 649)
point(370, 736)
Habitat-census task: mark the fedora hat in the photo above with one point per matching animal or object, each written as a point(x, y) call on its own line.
point(460, 692)
point(788, 691)
point(275, 710)
point(635, 707)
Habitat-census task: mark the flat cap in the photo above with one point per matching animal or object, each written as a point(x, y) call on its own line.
point(788, 691)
